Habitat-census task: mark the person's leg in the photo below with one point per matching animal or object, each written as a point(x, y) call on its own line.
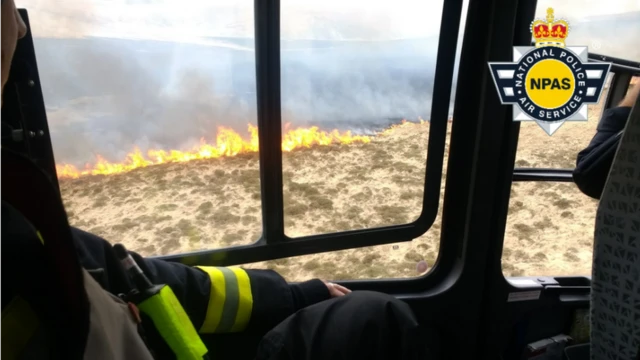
point(232, 346)
point(361, 325)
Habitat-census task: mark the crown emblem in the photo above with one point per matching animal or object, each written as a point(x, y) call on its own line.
point(551, 32)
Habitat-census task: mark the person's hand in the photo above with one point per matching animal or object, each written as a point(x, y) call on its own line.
point(336, 290)
point(630, 99)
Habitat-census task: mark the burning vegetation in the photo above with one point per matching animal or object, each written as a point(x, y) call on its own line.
point(228, 143)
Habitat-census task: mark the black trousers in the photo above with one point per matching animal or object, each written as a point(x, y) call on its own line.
point(361, 325)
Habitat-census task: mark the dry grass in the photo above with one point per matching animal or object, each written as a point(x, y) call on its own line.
point(215, 203)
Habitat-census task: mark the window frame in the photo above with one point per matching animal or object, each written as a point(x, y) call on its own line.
point(24, 109)
point(274, 243)
point(498, 317)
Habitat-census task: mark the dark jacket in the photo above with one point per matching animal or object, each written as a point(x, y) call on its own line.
point(594, 162)
point(613, 121)
point(273, 298)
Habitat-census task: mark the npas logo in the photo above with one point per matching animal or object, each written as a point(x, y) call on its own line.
point(549, 83)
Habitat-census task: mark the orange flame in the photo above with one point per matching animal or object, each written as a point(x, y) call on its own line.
point(228, 143)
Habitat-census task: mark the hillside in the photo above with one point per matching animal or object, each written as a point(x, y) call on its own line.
point(206, 204)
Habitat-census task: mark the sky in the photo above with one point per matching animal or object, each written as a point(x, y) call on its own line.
point(193, 20)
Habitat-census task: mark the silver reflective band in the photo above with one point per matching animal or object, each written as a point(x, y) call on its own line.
point(231, 301)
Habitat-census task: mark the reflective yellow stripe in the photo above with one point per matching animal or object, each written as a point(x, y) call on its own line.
point(19, 324)
point(245, 305)
point(238, 303)
point(217, 297)
point(40, 237)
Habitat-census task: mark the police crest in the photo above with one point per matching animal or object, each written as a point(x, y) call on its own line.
point(549, 83)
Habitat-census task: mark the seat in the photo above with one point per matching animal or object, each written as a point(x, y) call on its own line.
point(47, 275)
point(615, 294)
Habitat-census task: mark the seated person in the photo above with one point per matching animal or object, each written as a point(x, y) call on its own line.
point(594, 162)
point(60, 289)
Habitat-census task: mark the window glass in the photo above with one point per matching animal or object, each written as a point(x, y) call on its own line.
point(606, 27)
point(187, 196)
point(549, 230)
point(364, 69)
point(550, 225)
point(357, 83)
point(151, 107)
point(400, 260)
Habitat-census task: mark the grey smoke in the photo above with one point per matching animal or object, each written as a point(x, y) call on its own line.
point(105, 96)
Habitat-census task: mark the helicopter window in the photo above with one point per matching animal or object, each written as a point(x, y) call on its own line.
point(549, 228)
point(369, 73)
point(155, 128)
point(371, 77)
point(151, 120)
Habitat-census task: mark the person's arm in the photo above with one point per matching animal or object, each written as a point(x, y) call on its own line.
point(263, 297)
point(217, 300)
point(612, 122)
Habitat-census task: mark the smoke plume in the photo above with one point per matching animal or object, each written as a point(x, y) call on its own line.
point(105, 95)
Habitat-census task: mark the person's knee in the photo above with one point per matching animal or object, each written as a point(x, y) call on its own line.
point(362, 324)
point(368, 317)
point(373, 298)
point(378, 305)
point(370, 296)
